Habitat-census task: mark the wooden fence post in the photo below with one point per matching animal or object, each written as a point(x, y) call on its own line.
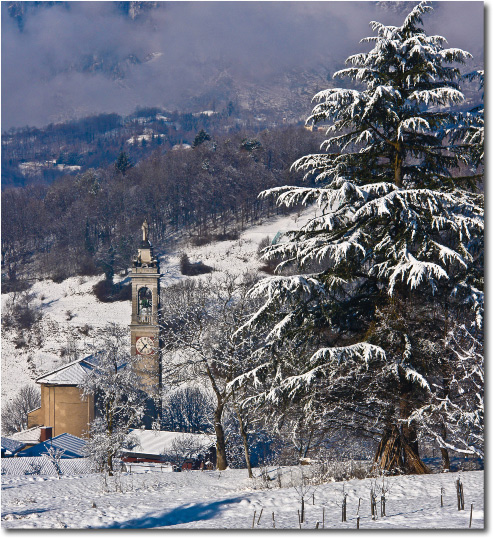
point(460, 494)
point(253, 521)
point(258, 520)
point(470, 519)
point(373, 503)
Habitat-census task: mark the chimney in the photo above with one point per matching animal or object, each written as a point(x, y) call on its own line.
point(46, 433)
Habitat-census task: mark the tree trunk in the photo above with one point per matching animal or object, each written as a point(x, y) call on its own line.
point(444, 451)
point(394, 454)
point(445, 459)
point(398, 449)
point(109, 418)
point(221, 460)
point(110, 464)
point(398, 165)
point(245, 441)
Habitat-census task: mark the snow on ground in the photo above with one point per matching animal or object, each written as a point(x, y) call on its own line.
point(235, 256)
point(68, 307)
point(229, 500)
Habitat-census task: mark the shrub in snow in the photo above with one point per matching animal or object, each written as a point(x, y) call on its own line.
point(35, 468)
point(193, 269)
point(108, 292)
point(21, 312)
point(55, 455)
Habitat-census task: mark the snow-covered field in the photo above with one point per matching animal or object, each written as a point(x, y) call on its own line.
point(73, 319)
point(194, 499)
point(229, 500)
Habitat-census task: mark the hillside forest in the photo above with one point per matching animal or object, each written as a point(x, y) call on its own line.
point(89, 223)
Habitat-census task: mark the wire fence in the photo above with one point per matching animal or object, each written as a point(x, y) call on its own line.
point(42, 466)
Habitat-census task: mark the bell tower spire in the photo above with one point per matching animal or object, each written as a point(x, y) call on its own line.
point(144, 326)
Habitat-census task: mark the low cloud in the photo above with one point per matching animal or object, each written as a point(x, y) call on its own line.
point(89, 58)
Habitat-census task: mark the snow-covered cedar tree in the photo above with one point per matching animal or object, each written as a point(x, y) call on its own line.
point(120, 402)
point(398, 237)
point(469, 126)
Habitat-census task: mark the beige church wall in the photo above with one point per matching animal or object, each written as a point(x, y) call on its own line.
point(35, 418)
point(65, 410)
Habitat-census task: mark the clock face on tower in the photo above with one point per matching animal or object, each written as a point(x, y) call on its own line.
point(144, 345)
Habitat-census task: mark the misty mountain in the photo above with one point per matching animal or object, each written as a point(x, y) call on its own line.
point(66, 60)
point(20, 10)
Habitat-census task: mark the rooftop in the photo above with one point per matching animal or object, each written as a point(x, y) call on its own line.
point(30, 436)
point(163, 442)
point(11, 446)
point(72, 446)
point(73, 373)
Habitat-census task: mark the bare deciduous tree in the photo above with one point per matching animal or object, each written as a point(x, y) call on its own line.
point(120, 402)
point(14, 413)
point(200, 319)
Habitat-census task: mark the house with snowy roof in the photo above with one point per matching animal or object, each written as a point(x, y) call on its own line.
point(63, 407)
point(70, 445)
point(10, 447)
point(165, 446)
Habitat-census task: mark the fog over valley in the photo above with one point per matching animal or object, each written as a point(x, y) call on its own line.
point(63, 60)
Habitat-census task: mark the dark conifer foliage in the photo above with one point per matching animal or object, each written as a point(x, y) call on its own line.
point(123, 163)
point(200, 138)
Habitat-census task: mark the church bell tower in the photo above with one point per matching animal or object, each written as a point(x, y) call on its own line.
point(144, 327)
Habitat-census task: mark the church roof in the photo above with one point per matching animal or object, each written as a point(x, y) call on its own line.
point(73, 373)
point(11, 446)
point(30, 436)
point(72, 446)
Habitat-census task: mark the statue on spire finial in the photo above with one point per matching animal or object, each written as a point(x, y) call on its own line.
point(145, 230)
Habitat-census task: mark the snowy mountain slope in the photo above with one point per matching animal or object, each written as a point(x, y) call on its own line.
point(73, 319)
point(227, 500)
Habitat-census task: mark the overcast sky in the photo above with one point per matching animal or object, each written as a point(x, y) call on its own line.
point(42, 65)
